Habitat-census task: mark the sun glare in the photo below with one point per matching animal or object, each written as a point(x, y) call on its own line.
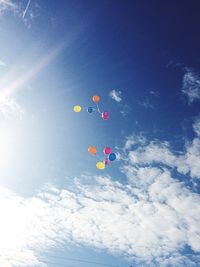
point(10, 143)
point(7, 146)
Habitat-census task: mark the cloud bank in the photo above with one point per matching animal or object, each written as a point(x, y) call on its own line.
point(152, 217)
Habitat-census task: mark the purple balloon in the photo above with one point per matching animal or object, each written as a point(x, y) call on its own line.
point(105, 115)
point(106, 162)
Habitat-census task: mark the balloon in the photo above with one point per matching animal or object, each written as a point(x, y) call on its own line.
point(107, 150)
point(96, 98)
point(90, 109)
point(106, 161)
point(77, 108)
point(100, 165)
point(105, 115)
point(92, 150)
point(112, 156)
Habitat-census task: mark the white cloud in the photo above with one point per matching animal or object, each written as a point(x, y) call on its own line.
point(191, 85)
point(156, 152)
point(134, 140)
point(196, 126)
point(160, 153)
point(27, 13)
point(190, 162)
point(9, 107)
point(151, 218)
point(6, 5)
point(116, 95)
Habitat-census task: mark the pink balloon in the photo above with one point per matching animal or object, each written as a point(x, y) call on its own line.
point(106, 162)
point(107, 150)
point(105, 115)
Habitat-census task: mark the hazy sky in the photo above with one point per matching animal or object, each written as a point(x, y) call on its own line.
point(56, 207)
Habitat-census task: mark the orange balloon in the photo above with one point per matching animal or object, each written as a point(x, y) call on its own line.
point(92, 150)
point(96, 98)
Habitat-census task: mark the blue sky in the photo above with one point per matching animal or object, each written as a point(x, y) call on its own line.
point(56, 207)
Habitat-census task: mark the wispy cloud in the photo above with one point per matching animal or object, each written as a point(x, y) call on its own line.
point(100, 212)
point(26, 13)
point(174, 64)
point(146, 104)
point(154, 93)
point(116, 95)
point(9, 107)
point(191, 85)
point(124, 109)
point(196, 126)
point(2, 63)
point(134, 140)
point(6, 5)
point(30, 13)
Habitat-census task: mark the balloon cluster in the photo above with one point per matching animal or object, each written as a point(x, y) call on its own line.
point(104, 114)
point(109, 156)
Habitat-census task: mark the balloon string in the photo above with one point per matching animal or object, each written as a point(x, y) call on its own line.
point(95, 109)
point(98, 109)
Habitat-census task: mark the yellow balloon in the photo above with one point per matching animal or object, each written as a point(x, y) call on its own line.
point(100, 165)
point(77, 108)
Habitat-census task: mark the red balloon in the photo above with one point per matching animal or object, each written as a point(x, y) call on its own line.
point(107, 150)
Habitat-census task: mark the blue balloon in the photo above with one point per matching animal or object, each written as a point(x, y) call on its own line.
point(90, 110)
point(112, 156)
